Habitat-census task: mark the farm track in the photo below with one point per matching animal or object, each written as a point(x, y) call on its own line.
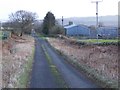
point(42, 77)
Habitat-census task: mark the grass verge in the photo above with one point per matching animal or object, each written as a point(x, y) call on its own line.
point(94, 75)
point(0, 35)
point(23, 81)
point(42, 36)
point(99, 40)
point(59, 80)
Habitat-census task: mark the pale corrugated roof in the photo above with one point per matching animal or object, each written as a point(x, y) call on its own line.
point(73, 25)
point(70, 26)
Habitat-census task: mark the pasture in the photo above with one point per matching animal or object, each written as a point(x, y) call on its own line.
point(0, 35)
point(4, 35)
point(99, 40)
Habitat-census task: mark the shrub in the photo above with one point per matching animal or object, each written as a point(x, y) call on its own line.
point(108, 43)
point(56, 30)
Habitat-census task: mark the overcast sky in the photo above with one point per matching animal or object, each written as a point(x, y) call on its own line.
point(65, 8)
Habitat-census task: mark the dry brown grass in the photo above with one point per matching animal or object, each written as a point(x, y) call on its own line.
point(0, 64)
point(15, 54)
point(102, 58)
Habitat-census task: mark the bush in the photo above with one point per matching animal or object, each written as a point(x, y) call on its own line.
point(81, 43)
point(5, 35)
point(108, 43)
point(99, 44)
point(56, 30)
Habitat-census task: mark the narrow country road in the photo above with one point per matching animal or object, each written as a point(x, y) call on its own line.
point(42, 77)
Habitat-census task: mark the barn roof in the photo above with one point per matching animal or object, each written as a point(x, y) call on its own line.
point(70, 26)
point(73, 25)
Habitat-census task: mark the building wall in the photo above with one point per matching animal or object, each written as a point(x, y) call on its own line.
point(81, 30)
point(108, 32)
point(93, 34)
point(78, 30)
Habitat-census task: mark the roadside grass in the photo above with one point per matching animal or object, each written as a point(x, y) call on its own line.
point(41, 36)
point(89, 72)
point(4, 34)
point(59, 80)
point(94, 75)
point(23, 81)
point(85, 40)
point(0, 35)
point(99, 40)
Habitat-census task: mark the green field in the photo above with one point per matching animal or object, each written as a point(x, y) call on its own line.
point(99, 40)
point(4, 35)
point(0, 35)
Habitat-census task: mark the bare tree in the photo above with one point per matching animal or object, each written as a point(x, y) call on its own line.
point(22, 21)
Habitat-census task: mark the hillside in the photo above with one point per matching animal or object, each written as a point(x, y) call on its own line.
point(106, 20)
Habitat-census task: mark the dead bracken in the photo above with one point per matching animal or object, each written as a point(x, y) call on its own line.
point(15, 54)
point(102, 58)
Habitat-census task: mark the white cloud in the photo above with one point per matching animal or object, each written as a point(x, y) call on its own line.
point(66, 8)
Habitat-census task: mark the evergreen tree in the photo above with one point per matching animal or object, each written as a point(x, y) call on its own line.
point(48, 23)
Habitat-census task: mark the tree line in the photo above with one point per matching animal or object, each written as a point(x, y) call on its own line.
point(23, 22)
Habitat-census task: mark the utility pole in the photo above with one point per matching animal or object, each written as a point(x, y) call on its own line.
point(97, 1)
point(62, 21)
point(1, 25)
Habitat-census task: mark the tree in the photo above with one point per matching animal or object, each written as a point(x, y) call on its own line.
point(48, 22)
point(22, 21)
point(38, 26)
point(6, 25)
point(70, 22)
point(57, 29)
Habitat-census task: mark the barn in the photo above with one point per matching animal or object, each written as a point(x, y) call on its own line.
point(109, 32)
point(77, 30)
point(83, 30)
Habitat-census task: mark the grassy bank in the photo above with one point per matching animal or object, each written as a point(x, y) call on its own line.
point(41, 36)
point(90, 72)
point(23, 81)
point(99, 40)
point(0, 35)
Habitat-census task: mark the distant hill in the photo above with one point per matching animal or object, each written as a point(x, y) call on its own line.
point(106, 20)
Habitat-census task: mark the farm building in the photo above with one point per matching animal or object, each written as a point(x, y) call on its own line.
point(108, 32)
point(82, 30)
point(77, 30)
point(104, 32)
